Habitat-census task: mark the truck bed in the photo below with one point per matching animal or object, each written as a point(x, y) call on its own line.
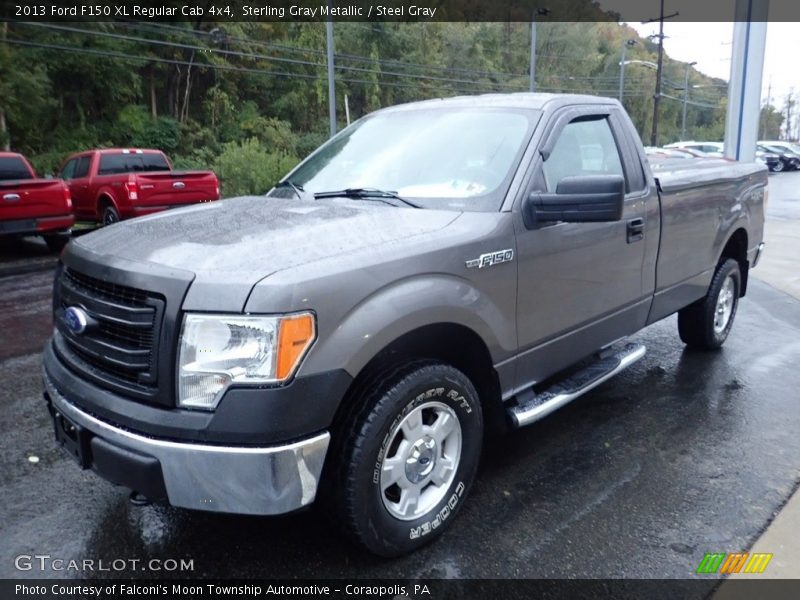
point(675, 175)
point(700, 200)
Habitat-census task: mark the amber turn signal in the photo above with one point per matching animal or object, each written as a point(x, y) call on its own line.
point(297, 332)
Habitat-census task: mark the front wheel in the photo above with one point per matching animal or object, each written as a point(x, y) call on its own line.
point(706, 323)
point(409, 458)
point(778, 166)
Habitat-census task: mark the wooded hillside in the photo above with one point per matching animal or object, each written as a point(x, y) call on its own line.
point(250, 99)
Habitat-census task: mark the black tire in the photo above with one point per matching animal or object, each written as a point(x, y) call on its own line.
point(109, 215)
point(56, 241)
point(778, 166)
point(697, 323)
point(367, 445)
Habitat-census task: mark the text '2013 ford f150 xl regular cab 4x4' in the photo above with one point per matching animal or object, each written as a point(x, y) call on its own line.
point(427, 275)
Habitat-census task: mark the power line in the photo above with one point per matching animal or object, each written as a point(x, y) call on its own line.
point(259, 56)
point(381, 72)
point(338, 55)
point(289, 75)
point(135, 58)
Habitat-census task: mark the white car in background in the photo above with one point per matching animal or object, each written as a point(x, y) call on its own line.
point(710, 149)
point(792, 147)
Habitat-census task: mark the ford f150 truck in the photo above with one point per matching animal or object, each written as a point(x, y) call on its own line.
point(114, 184)
point(435, 271)
point(33, 206)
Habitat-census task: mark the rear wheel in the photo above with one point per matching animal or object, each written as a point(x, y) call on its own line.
point(408, 459)
point(109, 215)
point(706, 323)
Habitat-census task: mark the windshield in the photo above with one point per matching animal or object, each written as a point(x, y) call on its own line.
point(444, 157)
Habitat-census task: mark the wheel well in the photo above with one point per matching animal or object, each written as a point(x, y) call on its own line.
point(736, 248)
point(449, 343)
point(103, 201)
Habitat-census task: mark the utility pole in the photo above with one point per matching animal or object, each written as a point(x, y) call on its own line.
point(657, 96)
point(542, 12)
point(790, 102)
point(5, 142)
point(685, 98)
point(625, 46)
point(331, 78)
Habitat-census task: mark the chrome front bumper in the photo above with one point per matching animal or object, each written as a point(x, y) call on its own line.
point(231, 479)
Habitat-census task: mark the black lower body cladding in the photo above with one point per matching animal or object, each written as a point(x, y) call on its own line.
point(244, 416)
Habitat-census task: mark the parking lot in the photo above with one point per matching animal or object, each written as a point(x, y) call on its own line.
point(684, 453)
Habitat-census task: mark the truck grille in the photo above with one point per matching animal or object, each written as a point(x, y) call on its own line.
point(118, 348)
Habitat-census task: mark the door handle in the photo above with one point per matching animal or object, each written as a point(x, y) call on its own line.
point(635, 230)
point(11, 197)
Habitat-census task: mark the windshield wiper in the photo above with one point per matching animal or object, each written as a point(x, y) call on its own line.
point(366, 193)
point(297, 189)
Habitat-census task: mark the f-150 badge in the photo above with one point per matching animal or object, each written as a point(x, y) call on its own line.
point(491, 258)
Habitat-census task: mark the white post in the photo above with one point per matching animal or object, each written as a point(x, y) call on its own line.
point(744, 89)
point(347, 110)
point(331, 77)
point(533, 53)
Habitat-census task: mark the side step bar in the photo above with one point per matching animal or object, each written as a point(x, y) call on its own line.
point(531, 407)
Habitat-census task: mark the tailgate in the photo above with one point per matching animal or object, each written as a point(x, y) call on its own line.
point(32, 198)
point(176, 187)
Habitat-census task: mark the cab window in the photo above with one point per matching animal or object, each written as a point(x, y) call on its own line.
point(82, 166)
point(68, 172)
point(584, 147)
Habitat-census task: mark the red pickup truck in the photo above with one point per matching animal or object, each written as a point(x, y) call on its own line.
point(33, 206)
point(114, 184)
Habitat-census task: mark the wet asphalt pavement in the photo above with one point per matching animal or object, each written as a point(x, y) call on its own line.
point(685, 453)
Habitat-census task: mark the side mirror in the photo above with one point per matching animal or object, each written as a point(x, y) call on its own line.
point(578, 199)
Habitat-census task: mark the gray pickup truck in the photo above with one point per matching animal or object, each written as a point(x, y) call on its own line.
point(436, 271)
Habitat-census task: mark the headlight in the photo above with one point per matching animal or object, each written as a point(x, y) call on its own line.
point(219, 350)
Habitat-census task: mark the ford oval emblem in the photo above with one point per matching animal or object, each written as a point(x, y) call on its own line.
point(76, 319)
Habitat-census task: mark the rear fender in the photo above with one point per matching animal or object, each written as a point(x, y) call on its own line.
point(106, 195)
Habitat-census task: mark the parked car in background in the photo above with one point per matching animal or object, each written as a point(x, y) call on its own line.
point(656, 153)
point(765, 156)
point(33, 206)
point(115, 184)
point(772, 160)
point(710, 149)
point(793, 147)
point(787, 159)
point(694, 153)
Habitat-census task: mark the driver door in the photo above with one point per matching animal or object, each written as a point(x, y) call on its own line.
point(580, 284)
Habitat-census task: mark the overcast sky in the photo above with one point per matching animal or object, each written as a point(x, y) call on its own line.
point(710, 45)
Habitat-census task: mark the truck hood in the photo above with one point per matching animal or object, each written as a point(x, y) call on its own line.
point(233, 244)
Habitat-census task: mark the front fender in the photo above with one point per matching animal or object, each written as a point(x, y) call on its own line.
point(406, 305)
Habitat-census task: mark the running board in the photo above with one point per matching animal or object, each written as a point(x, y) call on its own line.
point(532, 407)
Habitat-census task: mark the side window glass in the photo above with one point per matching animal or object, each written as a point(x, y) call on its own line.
point(68, 172)
point(82, 168)
point(584, 147)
